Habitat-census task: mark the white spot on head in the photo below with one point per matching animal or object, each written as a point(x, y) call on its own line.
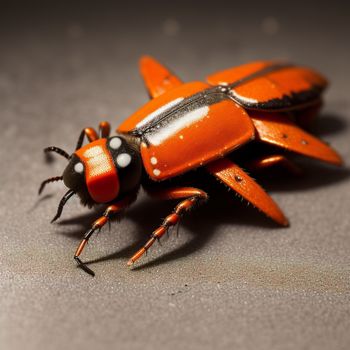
point(154, 160)
point(115, 143)
point(79, 167)
point(156, 172)
point(123, 160)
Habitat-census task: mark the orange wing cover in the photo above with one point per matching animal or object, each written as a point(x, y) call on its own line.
point(187, 127)
point(158, 79)
point(278, 130)
point(271, 85)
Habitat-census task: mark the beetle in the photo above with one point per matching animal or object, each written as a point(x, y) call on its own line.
point(193, 125)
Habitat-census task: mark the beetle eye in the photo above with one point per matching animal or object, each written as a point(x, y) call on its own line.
point(79, 167)
point(123, 160)
point(115, 143)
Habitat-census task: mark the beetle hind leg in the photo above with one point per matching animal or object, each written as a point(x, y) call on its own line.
point(266, 162)
point(191, 196)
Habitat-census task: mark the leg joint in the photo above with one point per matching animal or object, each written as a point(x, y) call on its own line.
point(171, 220)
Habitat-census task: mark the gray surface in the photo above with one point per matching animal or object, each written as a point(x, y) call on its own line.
point(231, 279)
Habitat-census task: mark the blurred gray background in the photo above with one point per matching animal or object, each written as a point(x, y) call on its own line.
point(231, 279)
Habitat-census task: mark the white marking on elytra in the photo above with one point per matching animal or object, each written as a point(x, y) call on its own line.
point(158, 111)
point(154, 160)
point(79, 167)
point(123, 160)
point(156, 172)
point(115, 143)
point(243, 98)
point(176, 125)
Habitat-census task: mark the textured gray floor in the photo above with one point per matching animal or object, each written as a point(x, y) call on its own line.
point(231, 279)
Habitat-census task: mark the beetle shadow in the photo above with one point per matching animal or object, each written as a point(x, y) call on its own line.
point(201, 225)
point(39, 201)
point(223, 208)
point(329, 124)
point(81, 222)
point(314, 175)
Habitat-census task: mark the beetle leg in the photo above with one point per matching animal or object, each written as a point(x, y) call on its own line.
point(98, 224)
point(276, 129)
point(268, 161)
point(158, 79)
point(235, 178)
point(191, 197)
point(62, 203)
point(104, 129)
point(91, 135)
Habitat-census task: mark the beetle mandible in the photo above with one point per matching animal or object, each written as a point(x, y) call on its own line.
point(190, 125)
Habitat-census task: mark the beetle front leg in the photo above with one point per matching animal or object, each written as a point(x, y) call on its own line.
point(97, 225)
point(92, 135)
point(104, 129)
point(191, 196)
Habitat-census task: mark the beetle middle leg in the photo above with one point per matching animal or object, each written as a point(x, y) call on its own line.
point(98, 224)
point(190, 196)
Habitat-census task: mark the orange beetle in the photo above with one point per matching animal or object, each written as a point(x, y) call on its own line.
point(190, 125)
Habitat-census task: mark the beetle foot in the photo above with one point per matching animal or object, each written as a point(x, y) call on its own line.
point(84, 267)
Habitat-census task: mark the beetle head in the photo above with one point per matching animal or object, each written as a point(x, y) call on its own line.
point(103, 170)
point(99, 172)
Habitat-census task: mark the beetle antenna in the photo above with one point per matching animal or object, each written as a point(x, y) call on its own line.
point(63, 201)
point(51, 179)
point(58, 150)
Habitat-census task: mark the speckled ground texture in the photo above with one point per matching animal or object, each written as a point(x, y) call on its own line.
point(231, 279)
